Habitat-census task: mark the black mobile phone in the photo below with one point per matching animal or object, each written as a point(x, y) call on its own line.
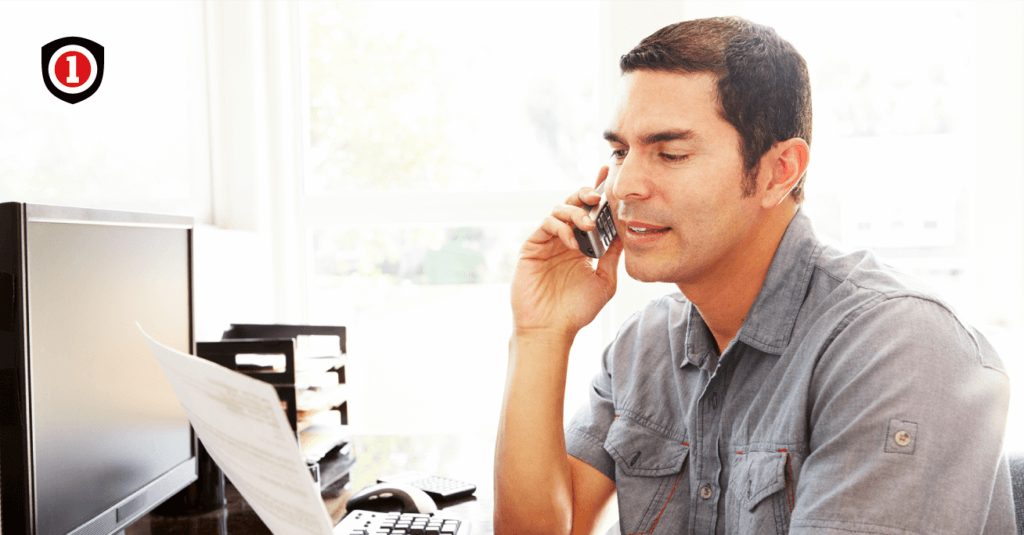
point(594, 243)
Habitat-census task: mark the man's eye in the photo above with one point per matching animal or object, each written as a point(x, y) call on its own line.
point(673, 157)
point(619, 154)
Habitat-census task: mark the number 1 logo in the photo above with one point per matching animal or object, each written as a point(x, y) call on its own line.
point(72, 68)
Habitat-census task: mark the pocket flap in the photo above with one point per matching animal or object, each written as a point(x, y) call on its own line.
point(639, 451)
point(757, 475)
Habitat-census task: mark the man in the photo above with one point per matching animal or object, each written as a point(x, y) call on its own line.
point(792, 387)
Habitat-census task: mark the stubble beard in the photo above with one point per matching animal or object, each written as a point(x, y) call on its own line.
point(654, 266)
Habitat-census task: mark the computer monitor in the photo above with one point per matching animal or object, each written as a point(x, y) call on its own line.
point(91, 434)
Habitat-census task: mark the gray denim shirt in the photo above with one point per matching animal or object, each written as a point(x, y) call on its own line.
point(852, 400)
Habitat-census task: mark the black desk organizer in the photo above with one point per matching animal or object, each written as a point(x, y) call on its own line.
point(264, 339)
point(225, 351)
point(281, 339)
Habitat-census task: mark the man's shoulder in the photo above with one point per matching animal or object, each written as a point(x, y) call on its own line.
point(844, 284)
point(857, 295)
point(654, 329)
point(865, 272)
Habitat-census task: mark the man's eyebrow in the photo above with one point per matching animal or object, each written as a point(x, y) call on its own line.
point(612, 137)
point(656, 137)
point(668, 135)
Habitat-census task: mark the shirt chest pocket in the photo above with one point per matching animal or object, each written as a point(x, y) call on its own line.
point(760, 498)
point(649, 475)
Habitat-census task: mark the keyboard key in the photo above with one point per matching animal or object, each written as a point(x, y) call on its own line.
point(371, 523)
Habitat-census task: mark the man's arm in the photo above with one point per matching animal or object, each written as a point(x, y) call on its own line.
point(596, 491)
point(908, 414)
point(556, 291)
point(539, 487)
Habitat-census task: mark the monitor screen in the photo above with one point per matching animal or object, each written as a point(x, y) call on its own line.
point(104, 420)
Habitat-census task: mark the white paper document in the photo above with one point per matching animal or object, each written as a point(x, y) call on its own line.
point(241, 423)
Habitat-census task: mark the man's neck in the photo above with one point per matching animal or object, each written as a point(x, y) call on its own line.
point(725, 294)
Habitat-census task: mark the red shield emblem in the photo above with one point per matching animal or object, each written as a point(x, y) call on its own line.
point(72, 68)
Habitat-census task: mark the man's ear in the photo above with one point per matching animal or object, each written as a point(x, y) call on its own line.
point(784, 164)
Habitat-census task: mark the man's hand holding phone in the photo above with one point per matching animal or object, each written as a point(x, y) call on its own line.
point(556, 291)
point(556, 288)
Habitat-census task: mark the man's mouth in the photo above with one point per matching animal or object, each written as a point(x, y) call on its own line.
point(648, 230)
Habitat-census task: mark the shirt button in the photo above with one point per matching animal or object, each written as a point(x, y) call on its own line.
point(902, 438)
point(714, 400)
point(706, 492)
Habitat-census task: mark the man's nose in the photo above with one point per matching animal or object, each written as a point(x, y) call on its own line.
point(631, 178)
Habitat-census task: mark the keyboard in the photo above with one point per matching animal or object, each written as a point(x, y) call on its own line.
point(372, 523)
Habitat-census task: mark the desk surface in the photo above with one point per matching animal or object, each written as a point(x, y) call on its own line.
point(465, 457)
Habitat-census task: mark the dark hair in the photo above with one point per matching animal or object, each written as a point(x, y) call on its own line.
point(763, 87)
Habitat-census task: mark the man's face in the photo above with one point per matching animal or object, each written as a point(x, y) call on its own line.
point(676, 180)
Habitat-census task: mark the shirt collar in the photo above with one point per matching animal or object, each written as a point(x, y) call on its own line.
point(770, 320)
point(698, 339)
point(769, 323)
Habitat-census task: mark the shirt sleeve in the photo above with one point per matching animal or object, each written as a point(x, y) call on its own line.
point(907, 414)
point(587, 431)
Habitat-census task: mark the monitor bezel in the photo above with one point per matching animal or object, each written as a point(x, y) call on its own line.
point(16, 432)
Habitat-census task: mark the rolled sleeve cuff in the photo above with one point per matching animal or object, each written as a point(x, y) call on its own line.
point(589, 450)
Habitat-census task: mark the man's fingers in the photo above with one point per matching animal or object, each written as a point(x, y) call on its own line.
point(552, 226)
point(565, 216)
point(584, 196)
point(609, 262)
point(602, 174)
point(574, 215)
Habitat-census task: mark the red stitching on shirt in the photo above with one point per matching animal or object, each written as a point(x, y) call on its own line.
point(685, 444)
point(655, 524)
point(790, 491)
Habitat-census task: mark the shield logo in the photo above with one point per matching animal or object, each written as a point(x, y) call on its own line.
point(72, 68)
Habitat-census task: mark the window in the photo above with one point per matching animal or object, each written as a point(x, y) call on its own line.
point(440, 134)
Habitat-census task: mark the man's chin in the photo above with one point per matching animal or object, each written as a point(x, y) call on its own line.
point(644, 270)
